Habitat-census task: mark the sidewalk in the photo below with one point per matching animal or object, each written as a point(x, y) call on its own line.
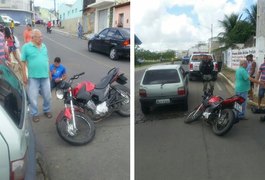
point(229, 76)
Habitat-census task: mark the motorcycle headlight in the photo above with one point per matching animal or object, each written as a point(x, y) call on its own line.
point(59, 93)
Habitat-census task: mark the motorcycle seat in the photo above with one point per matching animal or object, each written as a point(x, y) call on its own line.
point(107, 79)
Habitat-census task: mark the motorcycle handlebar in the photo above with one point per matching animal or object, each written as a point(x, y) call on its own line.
point(76, 76)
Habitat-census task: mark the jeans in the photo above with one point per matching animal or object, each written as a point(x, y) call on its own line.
point(34, 85)
point(245, 96)
point(208, 81)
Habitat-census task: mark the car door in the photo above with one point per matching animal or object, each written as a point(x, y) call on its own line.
point(109, 41)
point(4, 158)
point(98, 39)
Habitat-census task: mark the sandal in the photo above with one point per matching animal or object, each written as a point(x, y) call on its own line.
point(36, 118)
point(48, 115)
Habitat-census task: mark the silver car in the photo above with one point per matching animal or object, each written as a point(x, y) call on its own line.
point(163, 85)
point(17, 143)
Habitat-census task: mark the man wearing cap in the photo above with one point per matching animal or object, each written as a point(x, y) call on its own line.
point(251, 68)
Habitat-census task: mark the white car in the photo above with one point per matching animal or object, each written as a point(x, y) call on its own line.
point(163, 85)
point(17, 142)
point(8, 19)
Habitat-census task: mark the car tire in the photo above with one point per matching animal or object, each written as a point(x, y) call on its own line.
point(90, 47)
point(145, 109)
point(113, 55)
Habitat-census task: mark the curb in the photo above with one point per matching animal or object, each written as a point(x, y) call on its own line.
point(249, 102)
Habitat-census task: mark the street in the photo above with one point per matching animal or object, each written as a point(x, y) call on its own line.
point(167, 148)
point(107, 157)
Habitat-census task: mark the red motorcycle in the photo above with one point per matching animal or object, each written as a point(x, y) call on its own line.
point(218, 112)
point(93, 102)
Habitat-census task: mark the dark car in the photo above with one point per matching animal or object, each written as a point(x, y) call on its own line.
point(112, 41)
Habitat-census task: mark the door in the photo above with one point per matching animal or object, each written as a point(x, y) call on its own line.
point(102, 19)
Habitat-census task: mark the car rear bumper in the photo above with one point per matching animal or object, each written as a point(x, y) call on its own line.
point(125, 51)
point(198, 74)
point(173, 100)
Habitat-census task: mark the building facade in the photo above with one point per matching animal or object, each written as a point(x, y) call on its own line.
point(19, 10)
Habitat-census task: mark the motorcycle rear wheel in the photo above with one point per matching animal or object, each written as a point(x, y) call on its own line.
point(194, 115)
point(223, 124)
point(85, 133)
point(124, 109)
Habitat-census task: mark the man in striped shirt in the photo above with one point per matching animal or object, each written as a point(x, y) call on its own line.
point(261, 76)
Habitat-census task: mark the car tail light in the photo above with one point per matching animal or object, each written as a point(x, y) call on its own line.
point(216, 67)
point(191, 66)
point(142, 93)
point(181, 91)
point(18, 168)
point(126, 42)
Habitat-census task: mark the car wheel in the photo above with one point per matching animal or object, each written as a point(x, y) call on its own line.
point(145, 109)
point(113, 54)
point(90, 48)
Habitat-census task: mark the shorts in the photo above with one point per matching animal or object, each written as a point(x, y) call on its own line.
point(12, 49)
point(261, 92)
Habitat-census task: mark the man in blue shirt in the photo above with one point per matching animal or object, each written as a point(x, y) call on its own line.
point(57, 72)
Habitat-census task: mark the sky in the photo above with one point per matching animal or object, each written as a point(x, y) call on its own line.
point(180, 24)
point(49, 4)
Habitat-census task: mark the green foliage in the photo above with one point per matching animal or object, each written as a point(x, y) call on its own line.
point(148, 55)
point(237, 30)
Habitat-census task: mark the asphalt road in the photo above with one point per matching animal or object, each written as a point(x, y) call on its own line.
point(107, 157)
point(167, 148)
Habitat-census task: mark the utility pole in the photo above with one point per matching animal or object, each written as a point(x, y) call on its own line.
point(260, 32)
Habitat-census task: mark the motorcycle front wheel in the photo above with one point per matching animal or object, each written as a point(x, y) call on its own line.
point(85, 129)
point(124, 108)
point(194, 115)
point(224, 123)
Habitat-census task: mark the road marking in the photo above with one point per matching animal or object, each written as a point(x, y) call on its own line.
point(98, 62)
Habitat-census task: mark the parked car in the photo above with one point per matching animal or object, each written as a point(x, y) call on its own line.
point(185, 60)
point(163, 85)
point(8, 19)
point(112, 41)
point(17, 143)
point(194, 64)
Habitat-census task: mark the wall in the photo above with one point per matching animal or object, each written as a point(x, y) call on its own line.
point(67, 11)
point(232, 57)
point(17, 15)
point(126, 11)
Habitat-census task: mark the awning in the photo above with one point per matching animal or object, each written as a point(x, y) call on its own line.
point(101, 4)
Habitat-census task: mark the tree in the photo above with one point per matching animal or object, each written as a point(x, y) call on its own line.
point(235, 30)
point(252, 17)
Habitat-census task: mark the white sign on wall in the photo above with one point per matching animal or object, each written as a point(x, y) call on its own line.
point(234, 56)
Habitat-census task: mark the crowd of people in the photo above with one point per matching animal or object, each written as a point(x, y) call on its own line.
point(36, 73)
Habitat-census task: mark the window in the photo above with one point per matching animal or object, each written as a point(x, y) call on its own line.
point(12, 96)
point(200, 57)
point(121, 20)
point(164, 76)
point(75, 10)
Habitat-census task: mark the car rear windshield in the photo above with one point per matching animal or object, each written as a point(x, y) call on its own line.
point(164, 76)
point(125, 32)
point(200, 57)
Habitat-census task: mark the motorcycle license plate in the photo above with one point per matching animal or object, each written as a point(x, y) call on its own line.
point(162, 101)
point(238, 107)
